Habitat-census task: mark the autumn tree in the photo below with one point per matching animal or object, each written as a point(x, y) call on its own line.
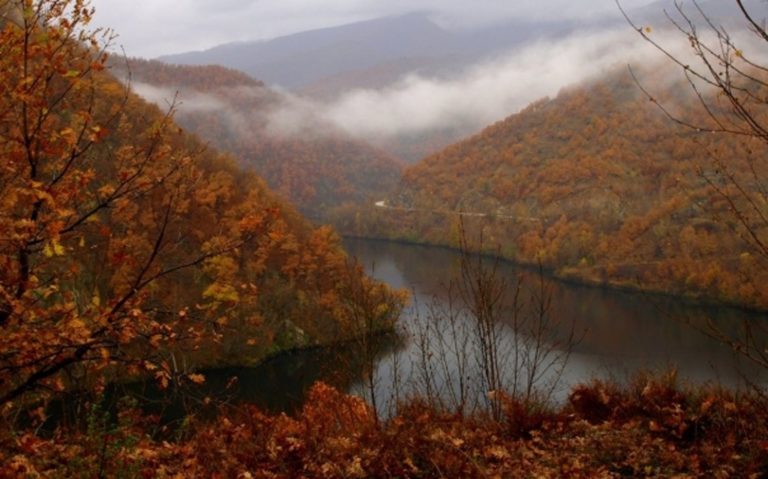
point(124, 241)
point(90, 225)
point(728, 76)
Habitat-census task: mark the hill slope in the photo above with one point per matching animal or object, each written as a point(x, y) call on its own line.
point(596, 184)
point(316, 167)
point(127, 245)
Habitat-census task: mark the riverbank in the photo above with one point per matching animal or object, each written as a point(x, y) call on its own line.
point(575, 276)
point(618, 332)
point(674, 261)
point(646, 427)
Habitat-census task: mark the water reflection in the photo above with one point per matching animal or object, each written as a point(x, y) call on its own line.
point(623, 332)
point(278, 385)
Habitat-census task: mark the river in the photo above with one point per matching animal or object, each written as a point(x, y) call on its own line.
point(615, 334)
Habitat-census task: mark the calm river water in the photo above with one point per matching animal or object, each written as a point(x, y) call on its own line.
point(619, 333)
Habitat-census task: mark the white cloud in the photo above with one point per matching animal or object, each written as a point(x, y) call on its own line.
point(488, 92)
point(418, 105)
point(186, 101)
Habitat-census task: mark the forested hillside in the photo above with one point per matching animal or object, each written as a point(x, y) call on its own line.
point(317, 167)
point(127, 246)
point(132, 253)
point(597, 184)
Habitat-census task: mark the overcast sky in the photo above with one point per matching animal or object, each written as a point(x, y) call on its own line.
point(149, 28)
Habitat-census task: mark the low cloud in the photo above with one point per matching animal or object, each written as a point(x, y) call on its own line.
point(296, 117)
point(486, 93)
point(186, 101)
point(417, 105)
point(493, 90)
point(282, 116)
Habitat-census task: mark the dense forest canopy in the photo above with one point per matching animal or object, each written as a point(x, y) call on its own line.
point(126, 240)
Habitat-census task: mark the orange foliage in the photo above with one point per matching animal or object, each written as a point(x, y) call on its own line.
point(317, 168)
point(123, 241)
point(649, 429)
point(601, 186)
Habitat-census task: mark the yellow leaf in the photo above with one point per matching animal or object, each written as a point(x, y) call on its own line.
point(96, 300)
point(222, 293)
point(48, 251)
point(196, 378)
point(496, 452)
point(155, 340)
point(76, 324)
point(149, 366)
point(58, 249)
point(162, 378)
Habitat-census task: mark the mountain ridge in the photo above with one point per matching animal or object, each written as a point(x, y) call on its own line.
point(332, 51)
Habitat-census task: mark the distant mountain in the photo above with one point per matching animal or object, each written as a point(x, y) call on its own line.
point(365, 54)
point(317, 168)
point(376, 54)
point(298, 60)
point(359, 52)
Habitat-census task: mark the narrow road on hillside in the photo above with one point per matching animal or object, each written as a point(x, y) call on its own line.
point(469, 214)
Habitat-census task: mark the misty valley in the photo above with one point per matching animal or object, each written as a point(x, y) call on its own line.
point(386, 240)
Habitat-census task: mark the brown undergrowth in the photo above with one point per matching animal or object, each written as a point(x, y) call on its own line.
point(648, 428)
